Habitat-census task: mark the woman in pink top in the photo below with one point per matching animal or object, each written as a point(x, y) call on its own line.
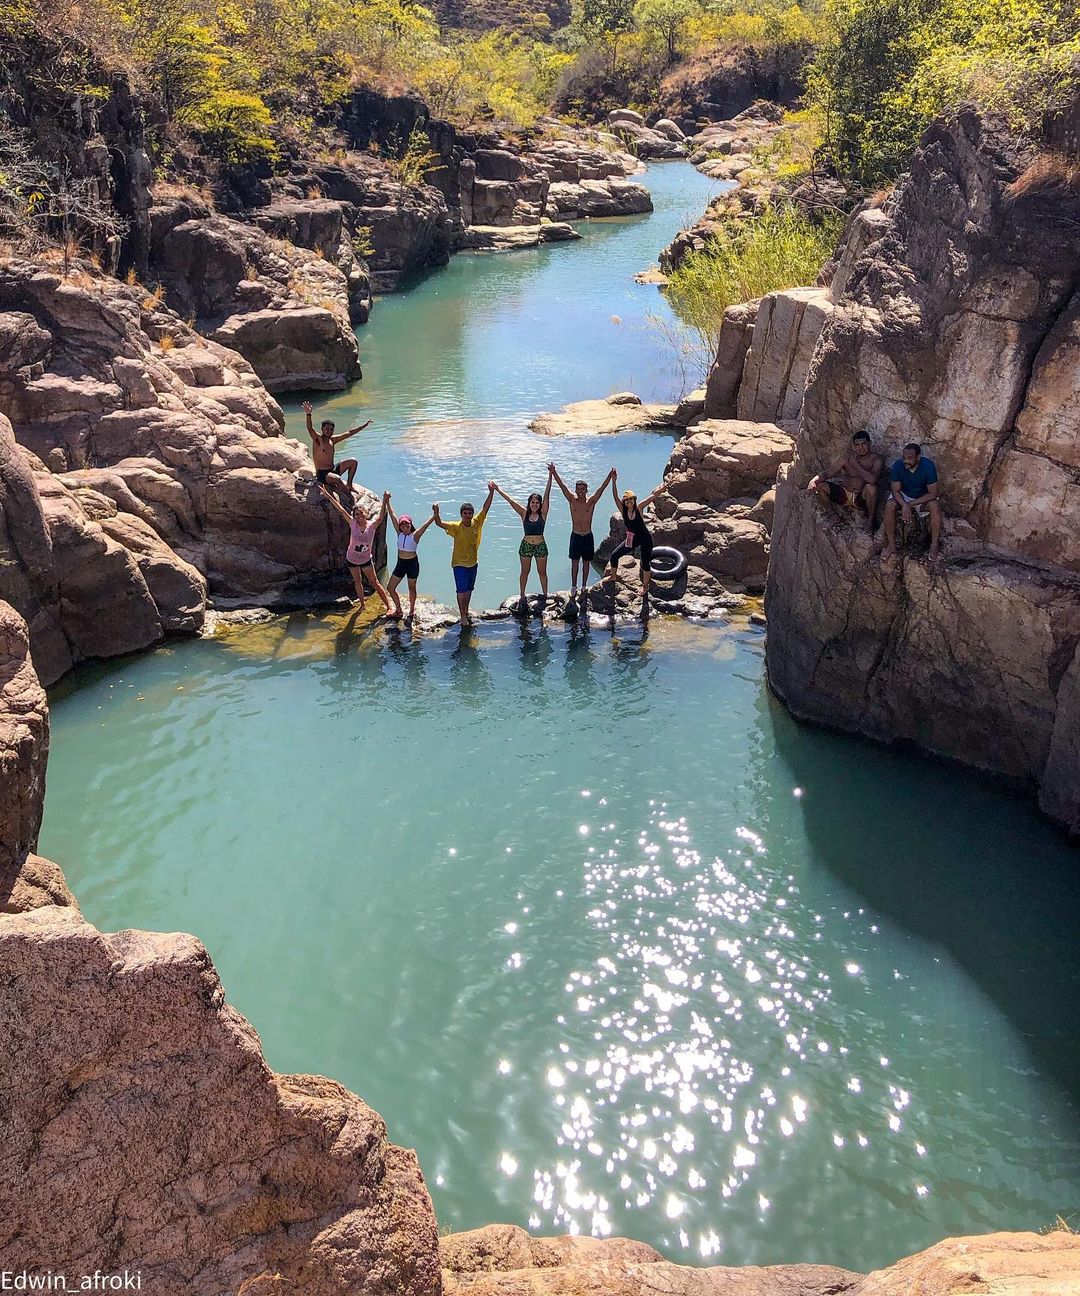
point(360, 554)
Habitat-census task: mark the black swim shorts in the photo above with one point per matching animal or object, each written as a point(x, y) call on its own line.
point(409, 567)
point(582, 546)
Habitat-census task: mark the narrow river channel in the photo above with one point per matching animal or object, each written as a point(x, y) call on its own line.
point(616, 945)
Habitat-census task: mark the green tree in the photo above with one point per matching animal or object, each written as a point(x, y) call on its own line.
point(607, 21)
point(884, 68)
point(667, 20)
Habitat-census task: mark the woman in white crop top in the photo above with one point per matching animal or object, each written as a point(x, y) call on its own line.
point(408, 564)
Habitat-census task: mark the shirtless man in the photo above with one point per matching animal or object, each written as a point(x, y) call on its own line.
point(858, 472)
point(582, 544)
point(323, 442)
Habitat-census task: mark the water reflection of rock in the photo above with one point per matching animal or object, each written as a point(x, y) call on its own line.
point(916, 858)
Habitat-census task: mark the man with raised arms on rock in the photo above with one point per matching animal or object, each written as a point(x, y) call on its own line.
point(914, 484)
point(467, 535)
point(582, 544)
point(323, 447)
point(851, 480)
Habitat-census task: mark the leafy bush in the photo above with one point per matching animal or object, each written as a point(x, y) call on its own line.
point(781, 248)
point(885, 67)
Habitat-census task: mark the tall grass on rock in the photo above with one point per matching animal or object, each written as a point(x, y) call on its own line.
point(781, 248)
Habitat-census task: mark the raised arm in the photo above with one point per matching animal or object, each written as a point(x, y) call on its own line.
point(436, 517)
point(649, 499)
point(418, 534)
point(615, 488)
point(390, 511)
point(344, 436)
point(337, 504)
point(547, 497)
point(600, 490)
point(509, 499)
point(307, 415)
point(490, 496)
point(562, 485)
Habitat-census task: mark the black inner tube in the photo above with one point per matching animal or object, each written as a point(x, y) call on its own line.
point(667, 564)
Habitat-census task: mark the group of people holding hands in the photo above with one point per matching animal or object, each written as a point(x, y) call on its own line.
point(334, 477)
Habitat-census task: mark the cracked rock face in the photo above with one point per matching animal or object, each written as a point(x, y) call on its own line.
point(959, 328)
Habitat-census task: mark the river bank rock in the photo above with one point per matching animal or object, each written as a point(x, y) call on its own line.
point(502, 238)
point(957, 328)
point(501, 1260)
point(284, 308)
point(24, 747)
point(715, 502)
point(665, 140)
point(621, 412)
point(210, 1172)
point(321, 225)
point(150, 472)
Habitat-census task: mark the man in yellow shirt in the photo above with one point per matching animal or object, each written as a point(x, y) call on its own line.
point(467, 535)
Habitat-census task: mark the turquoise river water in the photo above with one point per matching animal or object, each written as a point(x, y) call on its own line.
point(609, 939)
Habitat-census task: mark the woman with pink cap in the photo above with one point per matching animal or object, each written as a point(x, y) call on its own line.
point(407, 566)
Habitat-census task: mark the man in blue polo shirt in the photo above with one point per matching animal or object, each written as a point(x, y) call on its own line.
point(914, 484)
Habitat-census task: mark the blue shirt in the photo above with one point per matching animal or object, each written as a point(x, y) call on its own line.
point(914, 481)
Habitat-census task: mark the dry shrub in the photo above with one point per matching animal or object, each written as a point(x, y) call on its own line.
point(166, 342)
point(1048, 173)
point(174, 189)
point(153, 299)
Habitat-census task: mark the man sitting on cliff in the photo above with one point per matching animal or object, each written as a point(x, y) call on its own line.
point(323, 443)
point(852, 480)
point(914, 483)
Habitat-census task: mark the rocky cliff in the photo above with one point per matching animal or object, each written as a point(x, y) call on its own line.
point(957, 327)
point(143, 470)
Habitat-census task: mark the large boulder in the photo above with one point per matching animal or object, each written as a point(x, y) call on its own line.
point(621, 412)
point(786, 328)
point(721, 459)
point(284, 308)
point(959, 328)
point(1007, 1264)
point(210, 1173)
point(589, 198)
point(24, 748)
point(323, 225)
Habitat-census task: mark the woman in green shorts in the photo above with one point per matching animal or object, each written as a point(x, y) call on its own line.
point(533, 547)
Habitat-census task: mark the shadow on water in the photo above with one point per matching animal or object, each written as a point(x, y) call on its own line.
point(956, 860)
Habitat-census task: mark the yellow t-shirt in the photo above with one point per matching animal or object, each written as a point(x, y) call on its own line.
point(467, 541)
